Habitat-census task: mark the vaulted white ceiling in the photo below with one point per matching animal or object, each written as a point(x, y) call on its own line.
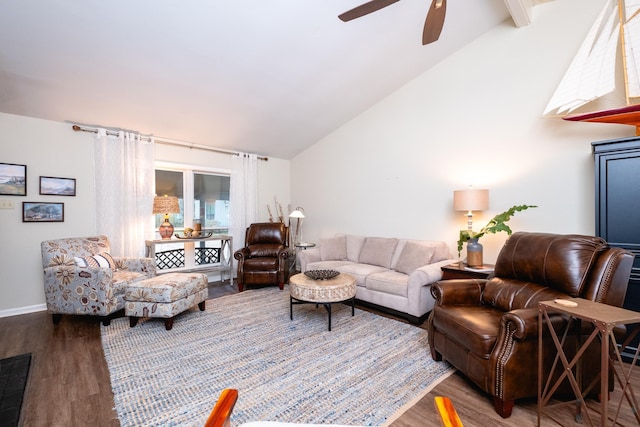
point(265, 76)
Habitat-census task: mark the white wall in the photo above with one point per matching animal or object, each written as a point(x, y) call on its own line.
point(54, 149)
point(475, 119)
point(48, 149)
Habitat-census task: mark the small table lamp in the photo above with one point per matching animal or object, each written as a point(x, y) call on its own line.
point(166, 205)
point(470, 200)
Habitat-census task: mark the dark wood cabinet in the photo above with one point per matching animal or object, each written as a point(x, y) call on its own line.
point(617, 197)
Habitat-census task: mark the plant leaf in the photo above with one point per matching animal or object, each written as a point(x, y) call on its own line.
point(495, 225)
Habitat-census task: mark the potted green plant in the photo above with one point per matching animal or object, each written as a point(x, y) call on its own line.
point(496, 224)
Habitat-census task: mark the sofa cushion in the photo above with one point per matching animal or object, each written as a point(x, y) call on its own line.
point(378, 251)
point(166, 288)
point(388, 282)
point(327, 265)
point(260, 263)
point(265, 249)
point(512, 294)
point(413, 256)
point(441, 252)
point(360, 271)
point(266, 232)
point(561, 262)
point(72, 247)
point(103, 259)
point(122, 279)
point(333, 248)
point(354, 246)
point(475, 328)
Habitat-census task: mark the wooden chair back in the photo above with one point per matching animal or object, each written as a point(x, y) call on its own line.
point(448, 415)
point(220, 415)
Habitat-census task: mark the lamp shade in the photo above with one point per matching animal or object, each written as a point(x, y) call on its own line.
point(165, 205)
point(471, 200)
point(298, 213)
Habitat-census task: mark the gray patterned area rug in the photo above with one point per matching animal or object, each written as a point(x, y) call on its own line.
point(361, 373)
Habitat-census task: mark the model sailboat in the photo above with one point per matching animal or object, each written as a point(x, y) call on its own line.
point(593, 74)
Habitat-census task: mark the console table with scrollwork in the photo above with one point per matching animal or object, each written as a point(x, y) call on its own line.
point(206, 254)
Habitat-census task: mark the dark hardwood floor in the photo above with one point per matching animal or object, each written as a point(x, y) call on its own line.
point(69, 379)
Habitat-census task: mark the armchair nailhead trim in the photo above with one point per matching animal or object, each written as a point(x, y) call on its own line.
point(502, 358)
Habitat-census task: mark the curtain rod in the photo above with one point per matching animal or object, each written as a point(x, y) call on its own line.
point(167, 141)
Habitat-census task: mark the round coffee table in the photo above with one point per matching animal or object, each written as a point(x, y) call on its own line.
point(305, 290)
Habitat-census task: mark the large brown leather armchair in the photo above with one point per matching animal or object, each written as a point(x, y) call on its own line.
point(264, 259)
point(488, 329)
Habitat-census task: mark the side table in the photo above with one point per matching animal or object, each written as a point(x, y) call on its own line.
point(460, 271)
point(197, 254)
point(304, 245)
point(300, 245)
point(604, 318)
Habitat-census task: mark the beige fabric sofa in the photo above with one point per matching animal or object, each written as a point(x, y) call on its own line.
point(392, 274)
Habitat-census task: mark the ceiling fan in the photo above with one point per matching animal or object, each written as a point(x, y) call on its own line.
point(432, 25)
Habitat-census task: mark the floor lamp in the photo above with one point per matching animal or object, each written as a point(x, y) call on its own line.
point(298, 214)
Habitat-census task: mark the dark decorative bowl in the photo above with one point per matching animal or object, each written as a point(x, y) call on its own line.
point(321, 274)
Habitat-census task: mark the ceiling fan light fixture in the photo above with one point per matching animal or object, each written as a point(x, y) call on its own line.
point(434, 22)
point(365, 9)
point(432, 25)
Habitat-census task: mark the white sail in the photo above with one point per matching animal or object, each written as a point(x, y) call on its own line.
point(592, 72)
point(632, 47)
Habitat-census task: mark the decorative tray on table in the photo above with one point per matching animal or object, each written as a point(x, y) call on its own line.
point(192, 234)
point(321, 274)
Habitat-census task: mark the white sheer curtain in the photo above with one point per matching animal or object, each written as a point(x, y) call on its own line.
point(125, 179)
point(243, 196)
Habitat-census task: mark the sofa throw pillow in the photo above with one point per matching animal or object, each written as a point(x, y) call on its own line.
point(103, 260)
point(354, 246)
point(413, 256)
point(378, 251)
point(333, 248)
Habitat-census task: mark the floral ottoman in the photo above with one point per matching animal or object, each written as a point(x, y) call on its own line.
point(165, 296)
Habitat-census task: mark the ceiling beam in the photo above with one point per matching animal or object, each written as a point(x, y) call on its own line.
point(521, 11)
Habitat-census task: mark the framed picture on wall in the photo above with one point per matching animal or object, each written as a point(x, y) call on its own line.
point(13, 179)
point(42, 212)
point(53, 186)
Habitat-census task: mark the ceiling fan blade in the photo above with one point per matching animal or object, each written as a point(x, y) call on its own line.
point(434, 22)
point(364, 9)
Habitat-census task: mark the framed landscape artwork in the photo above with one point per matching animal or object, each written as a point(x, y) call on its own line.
point(13, 179)
point(42, 212)
point(53, 186)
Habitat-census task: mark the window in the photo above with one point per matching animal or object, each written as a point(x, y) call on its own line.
point(211, 200)
point(203, 197)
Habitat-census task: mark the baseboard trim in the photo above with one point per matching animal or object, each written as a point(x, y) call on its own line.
point(23, 310)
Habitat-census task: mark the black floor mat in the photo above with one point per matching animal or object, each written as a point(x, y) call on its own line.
point(13, 380)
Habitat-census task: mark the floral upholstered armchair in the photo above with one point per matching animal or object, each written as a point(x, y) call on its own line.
point(81, 277)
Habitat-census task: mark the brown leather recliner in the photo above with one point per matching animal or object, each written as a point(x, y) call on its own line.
point(264, 259)
point(488, 329)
